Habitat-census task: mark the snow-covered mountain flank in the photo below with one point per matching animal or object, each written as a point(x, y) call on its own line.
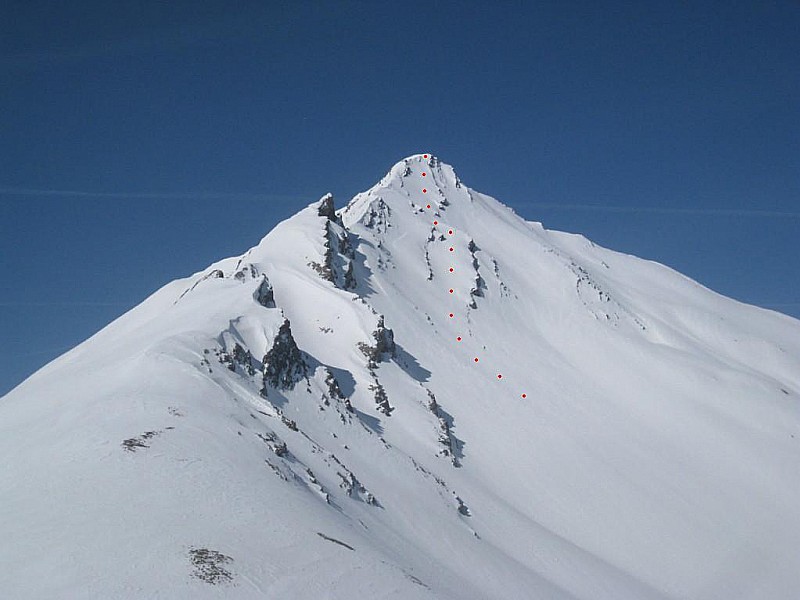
point(420, 395)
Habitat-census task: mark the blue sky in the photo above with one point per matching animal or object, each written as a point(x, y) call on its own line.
point(142, 141)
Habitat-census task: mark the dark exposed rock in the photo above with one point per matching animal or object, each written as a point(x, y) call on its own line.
point(215, 274)
point(322, 270)
point(280, 449)
point(133, 444)
point(289, 423)
point(384, 345)
point(354, 488)
point(504, 291)
point(345, 248)
point(369, 352)
point(283, 363)
point(381, 399)
point(244, 358)
point(237, 356)
point(463, 509)
point(264, 294)
point(274, 443)
point(276, 470)
point(339, 256)
point(384, 340)
point(428, 263)
point(337, 265)
point(335, 391)
point(450, 444)
point(335, 541)
point(479, 285)
point(248, 271)
point(208, 566)
point(314, 483)
point(227, 360)
point(327, 208)
point(378, 217)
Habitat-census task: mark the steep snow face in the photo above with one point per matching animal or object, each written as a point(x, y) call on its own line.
point(420, 395)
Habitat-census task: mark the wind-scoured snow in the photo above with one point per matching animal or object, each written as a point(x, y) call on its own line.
point(302, 421)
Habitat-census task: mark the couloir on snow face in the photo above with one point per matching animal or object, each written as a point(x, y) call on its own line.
point(420, 395)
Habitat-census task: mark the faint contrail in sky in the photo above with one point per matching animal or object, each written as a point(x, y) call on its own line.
point(48, 351)
point(781, 304)
point(66, 303)
point(250, 24)
point(731, 212)
point(11, 191)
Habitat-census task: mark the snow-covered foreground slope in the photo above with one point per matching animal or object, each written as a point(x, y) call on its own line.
point(323, 417)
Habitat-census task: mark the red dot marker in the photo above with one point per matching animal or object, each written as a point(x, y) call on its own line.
point(499, 376)
point(452, 249)
point(475, 359)
point(428, 206)
point(458, 339)
point(451, 269)
point(524, 395)
point(436, 222)
point(451, 315)
point(424, 156)
point(451, 291)
point(424, 174)
point(450, 232)
point(424, 191)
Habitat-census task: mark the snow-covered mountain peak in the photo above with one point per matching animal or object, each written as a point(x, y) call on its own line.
point(417, 396)
point(417, 182)
point(416, 164)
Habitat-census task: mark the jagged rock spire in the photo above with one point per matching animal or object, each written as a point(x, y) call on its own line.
point(283, 363)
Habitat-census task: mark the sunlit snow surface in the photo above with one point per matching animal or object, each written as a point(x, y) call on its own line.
point(656, 453)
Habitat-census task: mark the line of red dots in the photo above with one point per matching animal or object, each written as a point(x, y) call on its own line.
point(452, 270)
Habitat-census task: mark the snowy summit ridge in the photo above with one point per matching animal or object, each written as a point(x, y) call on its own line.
point(418, 395)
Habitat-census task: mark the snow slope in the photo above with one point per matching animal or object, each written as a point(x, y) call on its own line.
point(308, 420)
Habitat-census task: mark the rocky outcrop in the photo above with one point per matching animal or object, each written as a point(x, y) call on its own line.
point(381, 399)
point(327, 209)
point(384, 339)
point(264, 294)
point(248, 271)
point(274, 443)
point(339, 256)
point(335, 391)
point(378, 217)
point(236, 358)
point(283, 364)
point(354, 488)
point(337, 265)
point(384, 347)
point(479, 285)
point(504, 291)
point(451, 446)
point(243, 358)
